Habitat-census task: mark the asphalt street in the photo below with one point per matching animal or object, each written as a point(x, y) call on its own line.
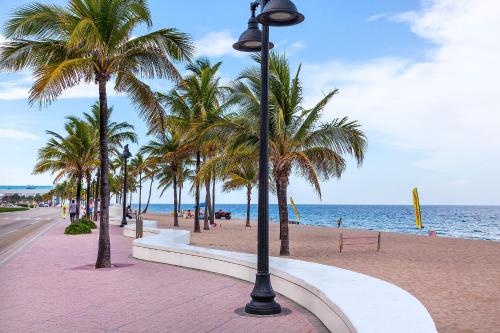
point(18, 228)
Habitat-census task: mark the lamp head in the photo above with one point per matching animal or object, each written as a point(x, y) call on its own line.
point(280, 13)
point(251, 39)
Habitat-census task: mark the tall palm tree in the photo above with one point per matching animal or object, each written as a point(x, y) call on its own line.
point(239, 170)
point(243, 175)
point(71, 156)
point(91, 41)
point(137, 166)
point(298, 140)
point(194, 104)
point(185, 174)
point(118, 134)
point(169, 151)
point(150, 172)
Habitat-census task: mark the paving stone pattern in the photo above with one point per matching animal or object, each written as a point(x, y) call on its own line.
point(52, 287)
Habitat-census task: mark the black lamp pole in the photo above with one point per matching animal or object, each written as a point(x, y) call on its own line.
point(125, 155)
point(274, 13)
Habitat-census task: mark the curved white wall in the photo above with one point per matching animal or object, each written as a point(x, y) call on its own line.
point(343, 300)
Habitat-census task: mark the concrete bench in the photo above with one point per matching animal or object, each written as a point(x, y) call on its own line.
point(343, 300)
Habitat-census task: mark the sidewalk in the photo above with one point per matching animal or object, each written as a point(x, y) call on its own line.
point(52, 287)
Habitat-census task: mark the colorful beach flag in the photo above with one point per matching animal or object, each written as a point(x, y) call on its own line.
point(416, 204)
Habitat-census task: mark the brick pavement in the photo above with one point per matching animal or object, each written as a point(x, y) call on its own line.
point(52, 287)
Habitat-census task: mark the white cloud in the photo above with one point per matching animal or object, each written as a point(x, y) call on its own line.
point(291, 49)
point(18, 87)
point(297, 46)
point(217, 44)
point(15, 134)
point(377, 17)
point(447, 106)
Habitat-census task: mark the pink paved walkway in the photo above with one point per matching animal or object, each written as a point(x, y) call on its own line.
point(50, 288)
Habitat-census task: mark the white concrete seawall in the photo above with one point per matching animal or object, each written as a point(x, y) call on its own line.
point(343, 300)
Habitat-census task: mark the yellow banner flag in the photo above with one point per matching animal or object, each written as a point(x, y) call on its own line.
point(296, 211)
point(416, 204)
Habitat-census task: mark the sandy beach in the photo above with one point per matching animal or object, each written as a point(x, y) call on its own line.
point(457, 280)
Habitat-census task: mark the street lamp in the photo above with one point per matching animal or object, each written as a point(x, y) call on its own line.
point(274, 13)
point(125, 155)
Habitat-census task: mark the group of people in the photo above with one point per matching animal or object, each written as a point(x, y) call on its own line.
point(71, 210)
point(187, 214)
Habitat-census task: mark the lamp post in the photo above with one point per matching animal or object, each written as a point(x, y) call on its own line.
point(125, 155)
point(274, 13)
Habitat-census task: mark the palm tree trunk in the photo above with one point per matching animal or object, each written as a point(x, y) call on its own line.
point(179, 202)
point(197, 196)
point(212, 211)
point(104, 250)
point(249, 199)
point(96, 197)
point(89, 191)
point(176, 217)
point(140, 191)
point(149, 196)
point(208, 205)
point(281, 187)
point(130, 202)
point(78, 198)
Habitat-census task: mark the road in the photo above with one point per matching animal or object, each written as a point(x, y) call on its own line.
point(18, 228)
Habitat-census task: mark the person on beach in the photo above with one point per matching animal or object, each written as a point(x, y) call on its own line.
point(72, 211)
point(339, 222)
point(129, 212)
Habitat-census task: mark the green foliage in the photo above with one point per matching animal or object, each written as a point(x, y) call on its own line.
point(73, 154)
point(7, 210)
point(93, 41)
point(77, 229)
point(88, 223)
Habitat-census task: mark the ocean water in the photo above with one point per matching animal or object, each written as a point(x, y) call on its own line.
point(472, 222)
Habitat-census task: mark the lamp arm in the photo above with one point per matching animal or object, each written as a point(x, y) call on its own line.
point(257, 3)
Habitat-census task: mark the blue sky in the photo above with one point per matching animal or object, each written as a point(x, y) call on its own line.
point(420, 76)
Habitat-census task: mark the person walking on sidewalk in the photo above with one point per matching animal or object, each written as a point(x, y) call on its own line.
point(72, 211)
point(64, 211)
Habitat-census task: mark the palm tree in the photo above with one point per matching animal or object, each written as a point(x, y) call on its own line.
point(64, 190)
point(195, 104)
point(298, 140)
point(87, 176)
point(137, 166)
point(91, 41)
point(244, 176)
point(169, 151)
point(150, 172)
point(239, 170)
point(118, 134)
point(71, 156)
